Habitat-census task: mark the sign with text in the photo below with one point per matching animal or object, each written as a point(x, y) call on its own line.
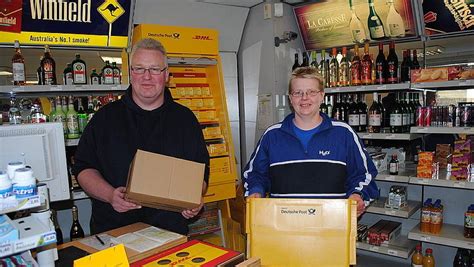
point(448, 16)
point(98, 23)
point(325, 24)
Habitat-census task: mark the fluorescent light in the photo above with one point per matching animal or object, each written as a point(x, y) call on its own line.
point(117, 60)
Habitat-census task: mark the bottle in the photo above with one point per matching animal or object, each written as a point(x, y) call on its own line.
point(94, 78)
point(375, 116)
point(107, 73)
point(469, 222)
point(296, 64)
point(39, 73)
point(81, 116)
point(48, 67)
point(459, 258)
point(425, 219)
point(314, 62)
point(324, 69)
point(79, 71)
point(14, 114)
point(90, 108)
point(117, 76)
point(333, 69)
point(76, 229)
point(366, 66)
point(428, 259)
point(362, 113)
point(329, 106)
point(305, 60)
point(64, 104)
point(405, 67)
point(354, 117)
point(356, 27)
point(396, 27)
point(323, 107)
point(52, 113)
point(417, 257)
point(72, 121)
point(380, 67)
point(392, 61)
point(336, 111)
point(344, 71)
point(436, 217)
point(67, 75)
point(374, 23)
point(18, 66)
point(57, 228)
point(416, 64)
point(37, 115)
point(356, 67)
point(393, 165)
point(60, 115)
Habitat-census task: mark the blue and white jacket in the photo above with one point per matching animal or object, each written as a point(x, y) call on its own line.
point(335, 165)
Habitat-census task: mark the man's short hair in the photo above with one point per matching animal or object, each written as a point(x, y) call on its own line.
point(151, 44)
point(308, 73)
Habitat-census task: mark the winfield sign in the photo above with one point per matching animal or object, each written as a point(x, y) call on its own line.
point(95, 23)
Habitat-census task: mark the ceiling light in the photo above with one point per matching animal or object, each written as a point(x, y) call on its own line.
point(117, 60)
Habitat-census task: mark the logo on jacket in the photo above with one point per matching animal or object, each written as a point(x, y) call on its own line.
point(324, 152)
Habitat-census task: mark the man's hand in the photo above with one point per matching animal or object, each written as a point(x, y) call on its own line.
point(119, 203)
point(255, 195)
point(188, 214)
point(360, 203)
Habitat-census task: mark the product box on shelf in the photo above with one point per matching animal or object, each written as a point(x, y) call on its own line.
point(382, 232)
point(8, 229)
point(443, 155)
point(164, 182)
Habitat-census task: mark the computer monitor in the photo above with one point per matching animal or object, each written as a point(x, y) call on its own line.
point(40, 146)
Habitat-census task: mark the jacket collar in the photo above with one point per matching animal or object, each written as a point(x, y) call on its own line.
point(287, 123)
point(128, 100)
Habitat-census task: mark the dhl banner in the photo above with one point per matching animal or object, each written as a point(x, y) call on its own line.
point(96, 23)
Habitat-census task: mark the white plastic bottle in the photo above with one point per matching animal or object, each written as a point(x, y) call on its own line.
point(5, 185)
point(24, 184)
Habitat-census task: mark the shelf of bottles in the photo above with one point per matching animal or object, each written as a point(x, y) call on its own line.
point(54, 89)
point(403, 176)
point(388, 136)
point(378, 207)
point(369, 88)
point(442, 130)
point(446, 85)
point(401, 247)
point(450, 235)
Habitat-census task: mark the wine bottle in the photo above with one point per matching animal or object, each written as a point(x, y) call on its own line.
point(344, 71)
point(375, 116)
point(324, 68)
point(296, 64)
point(396, 27)
point(381, 67)
point(385, 119)
point(362, 113)
point(76, 228)
point(354, 115)
point(356, 27)
point(396, 117)
point(392, 61)
point(366, 63)
point(305, 60)
point(314, 60)
point(333, 69)
point(18, 66)
point(323, 107)
point(57, 228)
point(48, 67)
point(79, 72)
point(67, 75)
point(406, 66)
point(329, 106)
point(376, 29)
point(345, 104)
point(356, 67)
point(416, 64)
point(336, 112)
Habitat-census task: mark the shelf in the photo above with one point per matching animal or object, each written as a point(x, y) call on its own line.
point(401, 247)
point(388, 136)
point(368, 88)
point(378, 207)
point(450, 235)
point(62, 88)
point(442, 183)
point(12, 204)
point(442, 130)
point(453, 85)
point(72, 142)
point(403, 176)
point(33, 234)
point(77, 195)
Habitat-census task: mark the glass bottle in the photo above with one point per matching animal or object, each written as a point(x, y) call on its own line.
point(396, 117)
point(428, 259)
point(95, 78)
point(67, 75)
point(362, 113)
point(417, 257)
point(329, 106)
point(81, 116)
point(469, 222)
point(39, 73)
point(116, 71)
point(52, 113)
point(380, 66)
point(72, 121)
point(324, 68)
point(375, 116)
point(108, 73)
point(57, 228)
point(90, 108)
point(14, 114)
point(405, 67)
point(296, 64)
point(356, 67)
point(60, 115)
point(314, 58)
point(333, 69)
point(393, 165)
point(396, 27)
point(305, 62)
point(366, 66)
point(356, 27)
point(374, 23)
point(344, 71)
point(323, 107)
point(79, 71)
point(416, 64)
point(48, 67)
point(18, 66)
point(354, 116)
point(392, 61)
point(76, 228)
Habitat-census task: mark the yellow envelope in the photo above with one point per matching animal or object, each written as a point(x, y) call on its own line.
point(111, 257)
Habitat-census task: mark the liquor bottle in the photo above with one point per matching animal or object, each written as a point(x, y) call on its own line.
point(428, 259)
point(57, 228)
point(381, 67)
point(67, 75)
point(81, 116)
point(14, 114)
point(356, 67)
point(333, 69)
point(95, 78)
point(396, 27)
point(324, 68)
point(362, 113)
point(52, 113)
point(323, 107)
point(72, 121)
point(329, 106)
point(396, 117)
point(405, 67)
point(336, 111)
point(392, 61)
point(417, 257)
point(344, 71)
point(79, 71)
point(116, 71)
point(76, 228)
point(469, 222)
point(405, 112)
point(39, 73)
point(305, 62)
point(356, 27)
point(107, 73)
point(393, 165)
point(384, 118)
point(64, 104)
point(345, 104)
point(412, 107)
point(314, 60)
point(416, 64)
point(60, 115)
point(37, 115)
point(354, 116)
point(374, 23)
point(366, 66)
point(90, 108)
point(459, 258)
point(48, 67)
point(375, 116)
point(18, 66)
point(296, 64)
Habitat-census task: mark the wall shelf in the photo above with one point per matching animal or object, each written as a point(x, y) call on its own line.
point(378, 207)
point(450, 235)
point(442, 183)
point(368, 88)
point(453, 85)
point(401, 247)
point(389, 136)
point(13, 204)
point(442, 130)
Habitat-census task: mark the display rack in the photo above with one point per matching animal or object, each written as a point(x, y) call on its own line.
point(442, 130)
point(450, 235)
point(401, 247)
point(368, 88)
point(378, 207)
point(12, 204)
point(388, 136)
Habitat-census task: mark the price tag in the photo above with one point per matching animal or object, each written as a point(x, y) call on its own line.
point(422, 181)
point(335, 90)
point(390, 136)
point(459, 184)
point(56, 88)
point(463, 83)
point(383, 87)
point(374, 248)
point(425, 238)
point(422, 130)
point(6, 249)
point(390, 178)
point(392, 252)
point(367, 136)
point(34, 201)
point(390, 212)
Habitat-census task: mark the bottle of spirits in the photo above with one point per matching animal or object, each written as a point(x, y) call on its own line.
point(76, 228)
point(380, 67)
point(392, 61)
point(366, 66)
point(296, 64)
point(375, 116)
point(362, 112)
point(416, 64)
point(18, 66)
point(356, 67)
point(324, 68)
point(72, 121)
point(336, 111)
point(14, 114)
point(116, 71)
point(314, 60)
point(79, 71)
point(323, 107)
point(356, 27)
point(396, 118)
point(396, 27)
point(376, 29)
point(344, 71)
point(305, 62)
point(95, 78)
point(406, 66)
point(67, 75)
point(333, 69)
point(385, 116)
point(57, 228)
point(52, 113)
point(48, 67)
point(60, 115)
point(329, 106)
point(39, 73)
point(108, 73)
point(90, 108)
point(393, 165)
point(81, 116)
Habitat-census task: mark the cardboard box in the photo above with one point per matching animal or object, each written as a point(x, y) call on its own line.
point(164, 182)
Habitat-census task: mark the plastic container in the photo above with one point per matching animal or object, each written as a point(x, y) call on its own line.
point(417, 257)
point(469, 222)
point(12, 166)
point(24, 184)
point(436, 216)
point(428, 259)
point(425, 219)
point(5, 185)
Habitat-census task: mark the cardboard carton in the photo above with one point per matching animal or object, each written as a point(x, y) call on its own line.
point(164, 182)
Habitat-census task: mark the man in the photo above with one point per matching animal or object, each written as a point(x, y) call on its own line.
point(145, 118)
point(308, 155)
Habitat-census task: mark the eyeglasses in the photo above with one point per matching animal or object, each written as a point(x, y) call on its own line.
point(153, 71)
point(299, 94)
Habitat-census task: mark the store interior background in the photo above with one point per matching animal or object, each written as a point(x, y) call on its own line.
point(255, 70)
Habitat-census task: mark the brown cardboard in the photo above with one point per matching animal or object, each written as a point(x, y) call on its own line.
point(164, 182)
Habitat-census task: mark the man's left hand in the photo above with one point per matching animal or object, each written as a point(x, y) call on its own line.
point(360, 203)
point(188, 214)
